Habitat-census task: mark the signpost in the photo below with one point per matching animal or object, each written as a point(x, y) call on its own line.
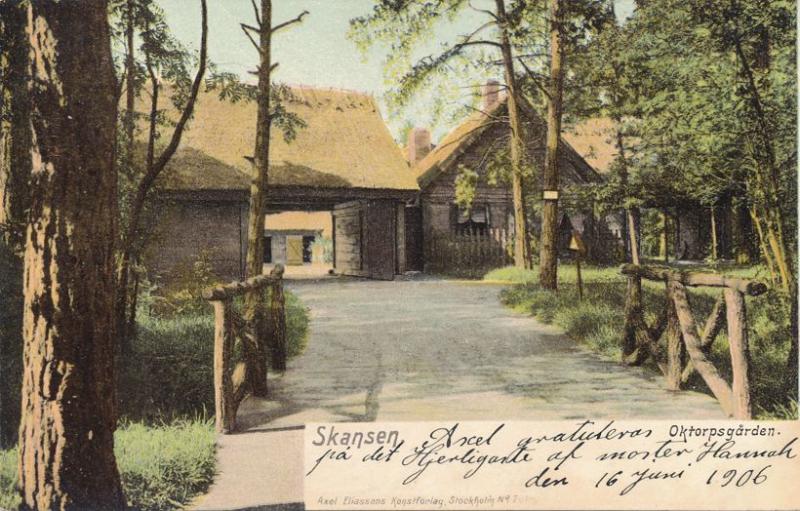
point(577, 245)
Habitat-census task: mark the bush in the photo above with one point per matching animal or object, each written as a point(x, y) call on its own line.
point(169, 370)
point(597, 322)
point(161, 467)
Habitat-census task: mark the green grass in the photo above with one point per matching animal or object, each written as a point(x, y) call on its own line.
point(169, 371)
point(8, 479)
point(161, 468)
point(596, 322)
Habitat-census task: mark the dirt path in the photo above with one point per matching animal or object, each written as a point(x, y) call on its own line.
point(424, 350)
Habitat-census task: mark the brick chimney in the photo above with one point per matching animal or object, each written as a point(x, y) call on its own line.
point(491, 94)
point(419, 144)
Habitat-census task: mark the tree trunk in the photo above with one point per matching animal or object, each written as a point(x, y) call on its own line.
point(66, 445)
point(663, 247)
point(255, 348)
point(153, 169)
point(522, 258)
point(714, 235)
point(15, 137)
point(548, 245)
point(130, 91)
point(742, 235)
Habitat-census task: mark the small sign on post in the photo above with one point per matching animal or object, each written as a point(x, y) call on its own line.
point(577, 245)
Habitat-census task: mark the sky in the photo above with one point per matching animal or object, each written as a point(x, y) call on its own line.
point(315, 52)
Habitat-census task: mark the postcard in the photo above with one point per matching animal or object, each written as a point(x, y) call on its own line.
point(398, 254)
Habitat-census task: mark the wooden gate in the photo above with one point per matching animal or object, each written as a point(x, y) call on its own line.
point(683, 337)
point(264, 333)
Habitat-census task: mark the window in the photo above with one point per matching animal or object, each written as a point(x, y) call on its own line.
point(476, 220)
point(308, 241)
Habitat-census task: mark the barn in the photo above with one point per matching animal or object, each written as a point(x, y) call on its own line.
point(343, 161)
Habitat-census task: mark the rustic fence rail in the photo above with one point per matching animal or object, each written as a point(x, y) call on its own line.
point(471, 252)
point(687, 348)
point(260, 333)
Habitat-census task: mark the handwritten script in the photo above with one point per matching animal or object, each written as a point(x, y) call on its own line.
point(585, 464)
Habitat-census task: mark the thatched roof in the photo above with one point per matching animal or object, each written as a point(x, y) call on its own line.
point(594, 140)
point(458, 141)
point(345, 144)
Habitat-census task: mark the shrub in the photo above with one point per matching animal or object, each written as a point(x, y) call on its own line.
point(169, 371)
point(161, 467)
point(597, 323)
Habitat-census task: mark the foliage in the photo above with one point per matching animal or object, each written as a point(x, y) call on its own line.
point(597, 322)
point(162, 467)
point(169, 371)
point(183, 293)
point(324, 246)
point(9, 499)
point(466, 186)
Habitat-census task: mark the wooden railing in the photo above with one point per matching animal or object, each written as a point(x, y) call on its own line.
point(260, 333)
point(683, 338)
point(469, 253)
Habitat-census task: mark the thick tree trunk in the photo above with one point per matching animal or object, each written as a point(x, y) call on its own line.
point(255, 349)
point(66, 444)
point(522, 256)
point(548, 247)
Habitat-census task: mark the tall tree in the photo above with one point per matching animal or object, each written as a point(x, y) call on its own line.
point(548, 252)
point(163, 60)
point(264, 30)
point(404, 24)
point(66, 445)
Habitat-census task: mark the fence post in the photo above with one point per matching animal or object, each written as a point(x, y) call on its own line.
point(277, 321)
point(740, 353)
point(224, 405)
point(718, 386)
point(675, 352)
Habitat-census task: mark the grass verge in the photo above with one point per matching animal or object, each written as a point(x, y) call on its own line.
point(596, 322)
point(161, 467)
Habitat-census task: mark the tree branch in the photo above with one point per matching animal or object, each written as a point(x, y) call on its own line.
point(255, 44)
point(154, 169)
point(285, 24)
point(484, 11)
point(535, 79)
point(257, 14)
point(477, 42)
point(245, 26)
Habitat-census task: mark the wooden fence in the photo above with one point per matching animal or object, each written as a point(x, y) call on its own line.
point(261, 335)
point(683, 337)
point(471, 253)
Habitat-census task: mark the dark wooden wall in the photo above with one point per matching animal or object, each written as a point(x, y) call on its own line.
point(186, 229)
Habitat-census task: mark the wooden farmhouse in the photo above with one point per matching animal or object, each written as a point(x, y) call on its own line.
point(344, 161)
point(473, 145)
point(344, 192)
